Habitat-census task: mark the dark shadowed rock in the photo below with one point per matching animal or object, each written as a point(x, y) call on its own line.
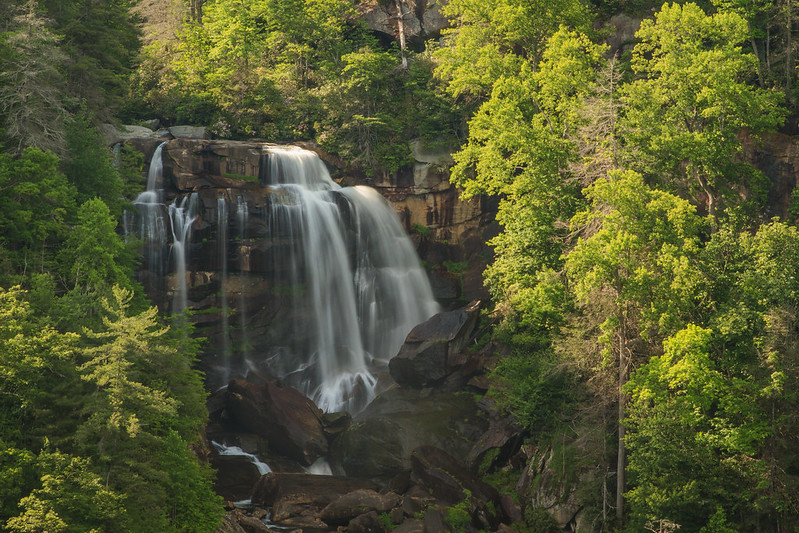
point(348, 506)
point(229, 524)
point(366, 523)
point(449, 481)
point(414, 525)
point(304, 489)
point(424, 359)
point(236, 476)
point(380, 440)
point(284, 416)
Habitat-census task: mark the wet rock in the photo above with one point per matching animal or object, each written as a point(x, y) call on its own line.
point(236, 476)
point(425, 357)
point(284, 416)
point(348, 506)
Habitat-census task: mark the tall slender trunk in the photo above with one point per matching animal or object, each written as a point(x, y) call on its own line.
point(621, 460)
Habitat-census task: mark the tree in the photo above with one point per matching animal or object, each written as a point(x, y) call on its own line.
point(692, 99)
point(641, 257)
point(72, 498)
point(490, 41)
point(33, 98)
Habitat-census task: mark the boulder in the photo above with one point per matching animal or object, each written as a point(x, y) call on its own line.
point(381, 438)
point(284, 416)
point(451, 482)
point(345, 508)
point(366, 523)
point(424, 359)
point(304, 490)
point(236, 476)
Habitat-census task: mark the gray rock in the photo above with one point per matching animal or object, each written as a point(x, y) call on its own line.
point(424, 358)
point(189, 132)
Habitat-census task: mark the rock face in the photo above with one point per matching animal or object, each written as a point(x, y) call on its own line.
point(421, 19)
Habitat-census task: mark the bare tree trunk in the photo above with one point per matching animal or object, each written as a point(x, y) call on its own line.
point(401, 32)
point(621, 460)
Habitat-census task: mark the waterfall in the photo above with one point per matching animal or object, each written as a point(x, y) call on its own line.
point(182, 215)
point(354, 271)
point(152, 220)
point(328, 283)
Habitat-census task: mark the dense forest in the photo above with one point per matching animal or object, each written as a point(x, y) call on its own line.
point(650, 307)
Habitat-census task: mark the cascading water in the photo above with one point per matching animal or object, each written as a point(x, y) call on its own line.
point(152, 219)
point(343, 281)
point(355, 271)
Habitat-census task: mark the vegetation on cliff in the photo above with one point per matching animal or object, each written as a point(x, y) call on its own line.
point(636, 278)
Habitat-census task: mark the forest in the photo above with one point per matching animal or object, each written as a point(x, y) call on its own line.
point(648, 301)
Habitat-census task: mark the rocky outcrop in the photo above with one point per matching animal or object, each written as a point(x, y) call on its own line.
point(430, 350)
point(421, 19)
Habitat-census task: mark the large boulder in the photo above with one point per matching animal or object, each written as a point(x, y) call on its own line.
point(290, 422)
point(303, 490)
point(340, 511)
point(381, 438)
point(425, 358)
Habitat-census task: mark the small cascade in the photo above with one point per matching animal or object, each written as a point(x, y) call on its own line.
point(222, 449)
point(242, 218)
point(152, 220)
point(182, 215)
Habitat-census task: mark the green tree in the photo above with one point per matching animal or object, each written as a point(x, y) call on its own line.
point(71, 498)
point(35, 205)
point(88, 165)
point(490, 41)
point(641, 256)
point(692, 99)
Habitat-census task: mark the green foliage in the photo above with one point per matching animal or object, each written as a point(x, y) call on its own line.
point(71, 499)
point(36, 203)
point(458, 516)
point(692, 99)
point(88, 166)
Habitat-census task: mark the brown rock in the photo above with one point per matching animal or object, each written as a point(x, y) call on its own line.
point(413, 525)
point(348, 506)
point(284, 416)
point(366, 523)
point(304, 489)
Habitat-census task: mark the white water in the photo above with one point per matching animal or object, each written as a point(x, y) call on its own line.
point(182, 216)
point(221, 240)
point(361, 277)
point(222, 449)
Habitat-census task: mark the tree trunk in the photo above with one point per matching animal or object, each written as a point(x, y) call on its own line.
point(621, 460)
